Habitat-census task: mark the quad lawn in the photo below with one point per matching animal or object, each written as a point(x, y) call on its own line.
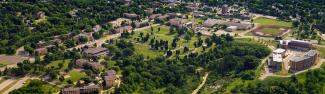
point(267, 21)
point(55, 64)
point(75, 75)
point(164, 34)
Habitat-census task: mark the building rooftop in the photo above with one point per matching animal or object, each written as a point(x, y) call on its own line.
point(210, 22)
point(277, 57)
point(95, 50)
point(307, 55)
point(279, 51)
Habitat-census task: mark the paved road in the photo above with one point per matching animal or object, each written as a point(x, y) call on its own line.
point(19, 84)
point(201, 85)
point(6, 83)
point(108, 37)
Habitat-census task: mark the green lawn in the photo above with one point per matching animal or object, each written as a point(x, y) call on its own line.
point(163, 34)
point(146, 52)
point(55, 64)
point(267, 21)
point(321, 51)
point(271, 31)
point(75, 75)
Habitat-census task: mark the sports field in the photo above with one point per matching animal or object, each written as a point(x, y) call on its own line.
point(268, 21)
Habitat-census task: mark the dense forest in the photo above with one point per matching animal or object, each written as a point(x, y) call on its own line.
point(21, 26)
point(311, 82)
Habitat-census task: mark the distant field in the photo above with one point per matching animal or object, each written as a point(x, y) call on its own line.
point(270, 31)
point(267, 21)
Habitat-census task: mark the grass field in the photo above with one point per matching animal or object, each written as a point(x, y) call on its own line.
point(321, 51)
point(55, 64)
point(267, 21)
point(163, 34)
point(75, 75)
point(270, 31)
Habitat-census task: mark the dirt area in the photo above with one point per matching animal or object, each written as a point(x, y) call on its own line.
point(11, 59)
point(270, 31)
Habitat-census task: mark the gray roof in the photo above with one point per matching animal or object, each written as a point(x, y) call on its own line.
point(95, 50)
point(307, 55)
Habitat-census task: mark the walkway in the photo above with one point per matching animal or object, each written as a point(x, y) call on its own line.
point(202, 84)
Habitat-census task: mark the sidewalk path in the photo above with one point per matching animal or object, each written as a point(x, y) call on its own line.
point(201, 85)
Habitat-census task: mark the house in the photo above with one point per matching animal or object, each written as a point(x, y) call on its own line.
point(96, 28)
point(41, 51)
point(110, 78)
point(96, 66)
point(139, 24)
point(209, 23)
point(41, 44)
point(39, 15)
point(81, 62)
point(154, 16)
point(95, 52)
point(123, 29)
point(88, 36)
point(179, 22)
point(299, 63)
point(120, 22)
point(130, 16)
point(162, 18)
point(90, 89)
point(149, 11)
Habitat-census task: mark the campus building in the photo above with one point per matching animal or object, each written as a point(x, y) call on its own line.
point(295, 44)
point(110, 78)
point(95, 52)
point(299, 63)
point(90, 89)
point(276, 59)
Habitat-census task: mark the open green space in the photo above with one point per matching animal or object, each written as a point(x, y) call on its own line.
point(146, 52)
point(271, 31)
point(163, 34)
point(321, 51)
point(75, 75)
point(268, 21)
point(36, 87)
point(56, 64)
